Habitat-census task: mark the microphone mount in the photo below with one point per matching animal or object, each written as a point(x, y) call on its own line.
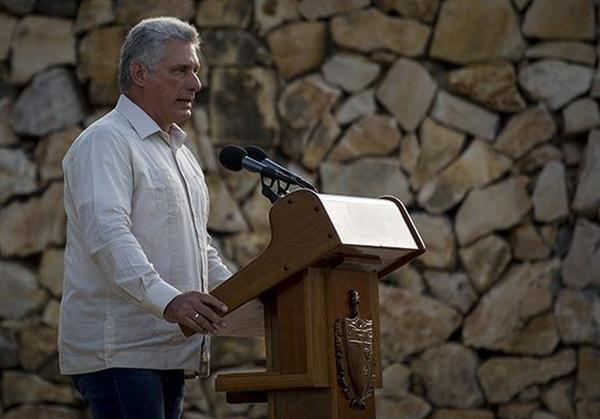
point(267, 188)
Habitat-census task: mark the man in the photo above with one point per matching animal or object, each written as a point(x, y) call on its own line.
point(138, 258)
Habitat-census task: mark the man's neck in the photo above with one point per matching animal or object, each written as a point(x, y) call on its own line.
point(143, 102)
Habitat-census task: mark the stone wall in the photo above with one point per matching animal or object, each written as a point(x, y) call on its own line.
point(480, 115)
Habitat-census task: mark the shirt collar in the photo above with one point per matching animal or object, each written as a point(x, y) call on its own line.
point(177, 135)
point(144, 125)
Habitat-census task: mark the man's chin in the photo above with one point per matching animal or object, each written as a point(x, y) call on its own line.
point(183, 116)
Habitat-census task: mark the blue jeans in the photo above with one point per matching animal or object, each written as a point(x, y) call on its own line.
point(132, 393)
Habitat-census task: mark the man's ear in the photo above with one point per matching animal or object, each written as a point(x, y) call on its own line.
point(139, 73)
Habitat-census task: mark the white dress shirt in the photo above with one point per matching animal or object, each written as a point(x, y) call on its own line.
point(137, 209)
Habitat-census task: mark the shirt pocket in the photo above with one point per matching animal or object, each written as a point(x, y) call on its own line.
point(168, 195)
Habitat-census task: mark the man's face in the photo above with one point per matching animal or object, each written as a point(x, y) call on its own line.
point(173, 82)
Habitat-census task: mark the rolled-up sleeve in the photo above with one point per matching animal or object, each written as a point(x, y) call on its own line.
point(99, 176)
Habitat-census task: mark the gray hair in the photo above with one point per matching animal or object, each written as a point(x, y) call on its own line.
point(145, 43)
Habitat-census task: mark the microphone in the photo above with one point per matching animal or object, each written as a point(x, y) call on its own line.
point(258, 154)
point(235, 158)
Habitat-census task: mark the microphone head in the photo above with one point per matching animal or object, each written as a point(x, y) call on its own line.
point(231, 157)
point(256, 153)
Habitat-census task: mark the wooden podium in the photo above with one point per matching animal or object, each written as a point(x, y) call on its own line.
point(318, 282)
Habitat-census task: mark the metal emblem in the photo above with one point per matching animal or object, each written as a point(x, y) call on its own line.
point(354, 354)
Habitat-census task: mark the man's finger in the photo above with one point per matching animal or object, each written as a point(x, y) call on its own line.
point(191, 324)
point(213, 302)
point(204, 323)
point(207, 313)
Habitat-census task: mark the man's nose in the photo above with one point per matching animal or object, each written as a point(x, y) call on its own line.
point(194, 83)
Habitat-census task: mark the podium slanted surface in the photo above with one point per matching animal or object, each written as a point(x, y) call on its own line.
point(318, 282)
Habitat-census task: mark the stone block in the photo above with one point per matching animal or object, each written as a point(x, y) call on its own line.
point(469, 32)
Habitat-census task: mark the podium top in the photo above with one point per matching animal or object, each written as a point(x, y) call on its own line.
point(309, 229)
point(368, 222)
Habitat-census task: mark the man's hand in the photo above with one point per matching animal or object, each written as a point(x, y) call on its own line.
point(197, 311)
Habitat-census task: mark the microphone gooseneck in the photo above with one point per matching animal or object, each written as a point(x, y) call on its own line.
point(259, 155)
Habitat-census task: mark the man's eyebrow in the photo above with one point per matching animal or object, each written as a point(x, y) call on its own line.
point(186, 66)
